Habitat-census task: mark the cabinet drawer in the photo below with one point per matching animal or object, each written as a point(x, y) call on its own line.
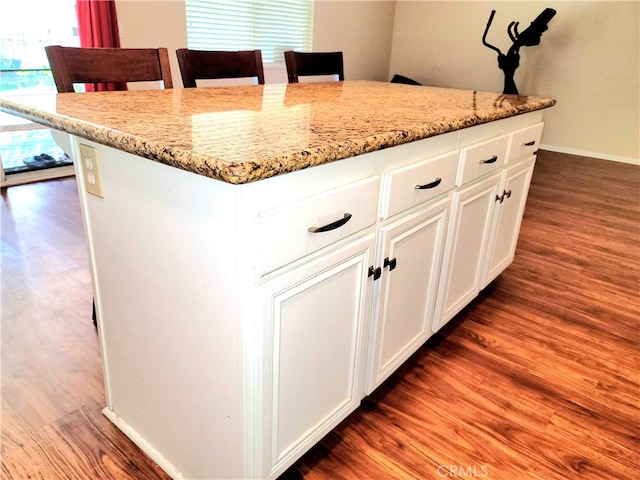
point(286, 233)
point(481, 158)
point(418, 182)
point(525, 141)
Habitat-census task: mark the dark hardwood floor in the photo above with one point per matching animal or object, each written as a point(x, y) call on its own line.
point(538, 378)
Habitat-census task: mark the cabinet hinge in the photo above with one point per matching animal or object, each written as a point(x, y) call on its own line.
point(375, 273)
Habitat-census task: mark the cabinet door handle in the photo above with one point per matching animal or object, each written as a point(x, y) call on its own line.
point(489, 160)
point(500, 198)
point(331, 226)
point(375, 273)
point(433, 184)
point(529, 144)
point(390, 263)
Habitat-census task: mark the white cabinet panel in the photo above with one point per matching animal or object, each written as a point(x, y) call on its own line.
point(284, 234)
point(416, 183)
point(481, 159)
point(466, 246)
point(507, 219)
point(410, 251)
point(525, 141)
point(317, 319)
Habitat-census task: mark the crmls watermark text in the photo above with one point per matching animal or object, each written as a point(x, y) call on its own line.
point(463, 471)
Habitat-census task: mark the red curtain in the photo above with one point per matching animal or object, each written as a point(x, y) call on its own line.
point(98, 27)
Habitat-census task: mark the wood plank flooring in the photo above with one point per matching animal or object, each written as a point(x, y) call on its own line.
point(538, 378)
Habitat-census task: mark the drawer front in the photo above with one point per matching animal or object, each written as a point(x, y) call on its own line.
point(525, 142)
point(418, 182)
point(482, 158)
point(293, 231)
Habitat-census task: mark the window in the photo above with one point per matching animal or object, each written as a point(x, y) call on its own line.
point(272, 26)
point(26, 27)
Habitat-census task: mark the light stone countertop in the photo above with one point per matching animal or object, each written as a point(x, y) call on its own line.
point(249, 133)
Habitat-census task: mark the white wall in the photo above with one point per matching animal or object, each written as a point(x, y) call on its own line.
point(588, 61)
point(362, 30)
point(154, 24)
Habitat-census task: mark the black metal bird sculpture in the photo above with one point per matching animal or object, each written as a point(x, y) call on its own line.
point(530, 36)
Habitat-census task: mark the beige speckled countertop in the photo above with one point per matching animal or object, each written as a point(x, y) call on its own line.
point(243, 134)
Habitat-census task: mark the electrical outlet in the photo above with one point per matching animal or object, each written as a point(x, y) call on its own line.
point(91, 170)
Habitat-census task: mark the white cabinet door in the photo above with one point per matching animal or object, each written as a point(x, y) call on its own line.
point(410, 252)
point(507, 219)
point(465, 248)
point(315, 333)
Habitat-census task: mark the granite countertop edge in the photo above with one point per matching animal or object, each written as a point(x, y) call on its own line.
point(252, 170)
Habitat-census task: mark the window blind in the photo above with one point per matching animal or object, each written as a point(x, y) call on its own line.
point(272, 26)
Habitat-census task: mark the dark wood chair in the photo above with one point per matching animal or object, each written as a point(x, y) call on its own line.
point(71, 65)
point(301, 64)
point(207, 65)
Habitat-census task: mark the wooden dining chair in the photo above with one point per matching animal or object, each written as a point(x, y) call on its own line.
point(209, 65)
point(71, 65)
point(301, 64)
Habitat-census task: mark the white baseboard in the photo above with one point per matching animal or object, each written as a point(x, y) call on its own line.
point(585, 153)
point(145, 446)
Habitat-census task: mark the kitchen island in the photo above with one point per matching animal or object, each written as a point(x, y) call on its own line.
point(248, 302)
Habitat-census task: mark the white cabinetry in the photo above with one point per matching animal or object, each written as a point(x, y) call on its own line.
point(289, 298)
point(315, 222)
point(410, 252)
point(507, 219)
point(317, 309)
point(417, 183)
point(341, 317)
point(468, 231)
point(481, 159)
point(316, 320)
point(524, 142)
point(486, 215)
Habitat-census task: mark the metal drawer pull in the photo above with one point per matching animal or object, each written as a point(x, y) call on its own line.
point(490, 160)
point(529, 144)
point(331, 226)
point(433, 184)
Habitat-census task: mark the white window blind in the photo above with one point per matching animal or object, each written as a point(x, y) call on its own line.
point(272, 26)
